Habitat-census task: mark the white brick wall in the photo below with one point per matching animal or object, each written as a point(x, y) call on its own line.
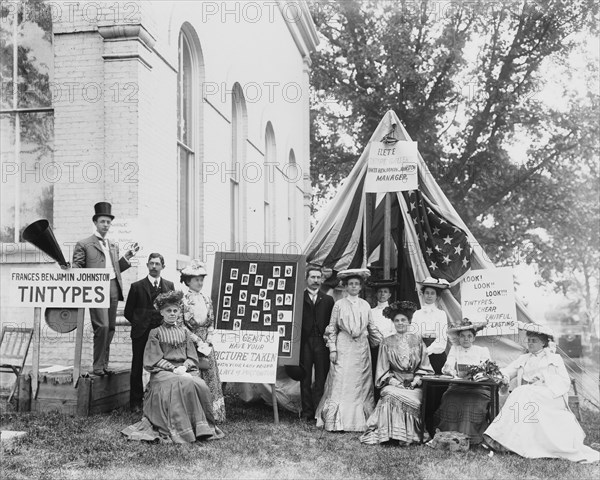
point(117, 117)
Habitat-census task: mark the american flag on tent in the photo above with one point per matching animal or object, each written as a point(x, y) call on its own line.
point(444, 246)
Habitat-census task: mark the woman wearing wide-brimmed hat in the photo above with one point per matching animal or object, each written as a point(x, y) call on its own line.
point(464, 409)
point(198, 317)
point(177, 403)
point(348, 398)
point(536, 421)
point(401, 363)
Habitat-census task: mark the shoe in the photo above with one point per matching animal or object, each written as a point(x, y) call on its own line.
point(98, 373)
point(136, 409)
point(109, 372)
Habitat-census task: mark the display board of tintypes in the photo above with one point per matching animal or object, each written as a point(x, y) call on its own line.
point(261, 293)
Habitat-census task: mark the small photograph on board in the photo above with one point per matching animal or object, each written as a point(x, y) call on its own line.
point(241, 311)
point(262, 294)
point(237, 324)
point(289, 298)
point(276, 271)
point(285, 346)
point(234, 274)
point(243, 295)
point(289, 269)
point(245, 279)
point(281, 330)
point(255, 316)
point(267, 319)
point(225, 317)
point(271, 284)
point(281, 284)
point(228, 287)
point(254, 300)
point(267, 305)
point(258, 281)
point(279, 299)
point(284, 316)
point(252, 269)
point(227, 301)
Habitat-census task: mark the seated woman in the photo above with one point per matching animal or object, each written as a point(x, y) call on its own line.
point(177, 403)
point(401, 362)
point(535, 421)
point(464, 408)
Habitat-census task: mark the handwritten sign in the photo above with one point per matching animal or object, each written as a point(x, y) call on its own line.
point(246, 356)
point(81, 288)
point(392, 168)
point(490, 295)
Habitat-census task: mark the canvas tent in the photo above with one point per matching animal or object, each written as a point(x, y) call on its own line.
point(350, 235)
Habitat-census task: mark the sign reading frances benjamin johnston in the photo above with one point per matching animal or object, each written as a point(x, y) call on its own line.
point(80, 288)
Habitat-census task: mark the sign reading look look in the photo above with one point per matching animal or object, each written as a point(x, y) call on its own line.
point(490, 295)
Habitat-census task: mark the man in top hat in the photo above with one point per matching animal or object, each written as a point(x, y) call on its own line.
point(140, 312)
point(97, 251)
point(316, 312)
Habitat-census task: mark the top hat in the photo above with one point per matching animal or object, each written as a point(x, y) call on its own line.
point(102, 210)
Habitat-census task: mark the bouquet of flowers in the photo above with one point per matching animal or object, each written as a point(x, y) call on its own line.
point(487, 370)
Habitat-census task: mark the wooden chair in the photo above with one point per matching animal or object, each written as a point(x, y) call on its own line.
point(14, 345)
point(574, 401)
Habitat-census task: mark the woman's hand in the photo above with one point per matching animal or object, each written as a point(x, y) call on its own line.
point(195, 338)
point(180, 370)
point(394, 382)
point(416, 382)
point(333, 357)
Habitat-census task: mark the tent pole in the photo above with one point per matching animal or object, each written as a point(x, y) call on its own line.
point(387, 231)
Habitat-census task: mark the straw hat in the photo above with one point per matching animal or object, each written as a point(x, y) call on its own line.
point(195, 269)
point(535, 328)
point(435, 283)
point(466, 324)
point(364, 273)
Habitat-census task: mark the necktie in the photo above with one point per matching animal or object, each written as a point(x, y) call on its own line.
point(156, 285)
point(102, 241)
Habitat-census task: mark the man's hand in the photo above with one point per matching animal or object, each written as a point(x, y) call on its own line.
point(132, 251)
point(66, 267)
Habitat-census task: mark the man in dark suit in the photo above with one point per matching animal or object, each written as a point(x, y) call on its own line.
point(98, 251)
point(316, 313)
point(140, 312)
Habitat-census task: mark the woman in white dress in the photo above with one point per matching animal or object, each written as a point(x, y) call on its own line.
point(464, 408)
point(535, 421)
point(348, 399)
point(432, 323)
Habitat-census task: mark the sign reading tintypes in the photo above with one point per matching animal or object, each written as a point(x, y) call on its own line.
point(490, 295)
point(392, 168)
point(246, 355)
point(80, 288)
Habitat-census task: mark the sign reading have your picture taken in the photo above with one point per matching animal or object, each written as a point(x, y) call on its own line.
point(258, 314)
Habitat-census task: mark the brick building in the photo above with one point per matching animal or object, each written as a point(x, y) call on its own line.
point(191, 118)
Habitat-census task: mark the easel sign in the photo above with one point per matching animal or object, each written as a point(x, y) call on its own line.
point(258, 315)
point(78, 288)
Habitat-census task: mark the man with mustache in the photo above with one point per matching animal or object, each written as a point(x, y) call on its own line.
point(140, 312)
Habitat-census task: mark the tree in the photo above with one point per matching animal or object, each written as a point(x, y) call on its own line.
point(466, 83)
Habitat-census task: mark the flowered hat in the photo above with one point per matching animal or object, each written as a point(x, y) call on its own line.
point(170, 298)
point(536, 328)
point(195, 269)
point(466, 324)
point(435, 283)
point(364, 273)
point(404, 307)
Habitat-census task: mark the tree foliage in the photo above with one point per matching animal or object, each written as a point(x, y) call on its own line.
point(468, 81)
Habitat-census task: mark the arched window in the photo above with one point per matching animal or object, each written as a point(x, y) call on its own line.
point(292, 176)
point(26, 117)
point(189, 121)
point(269, 183)
point(239, 134)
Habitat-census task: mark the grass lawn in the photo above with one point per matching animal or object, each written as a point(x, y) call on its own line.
point(59, 446)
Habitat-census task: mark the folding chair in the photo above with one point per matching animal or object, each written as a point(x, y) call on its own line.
point(14, 345)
